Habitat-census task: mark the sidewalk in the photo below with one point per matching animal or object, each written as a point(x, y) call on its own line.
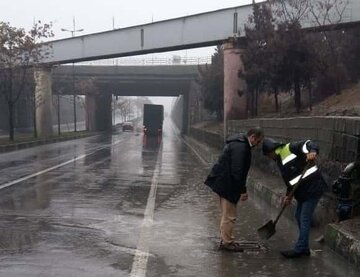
point(343, 238)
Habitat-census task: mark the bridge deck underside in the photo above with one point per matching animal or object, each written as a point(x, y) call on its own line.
point(124, 81)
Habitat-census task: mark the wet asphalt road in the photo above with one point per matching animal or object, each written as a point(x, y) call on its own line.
point(117, 205)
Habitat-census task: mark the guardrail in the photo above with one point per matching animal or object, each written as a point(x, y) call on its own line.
point(151, 61)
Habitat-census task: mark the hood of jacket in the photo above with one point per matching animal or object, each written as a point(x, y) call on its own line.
point(269, 145)
point(237, 137)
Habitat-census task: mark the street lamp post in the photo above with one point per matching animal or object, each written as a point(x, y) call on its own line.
point(58, 114)
point(73, 31)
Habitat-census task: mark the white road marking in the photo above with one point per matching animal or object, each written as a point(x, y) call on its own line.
point(141, 257)
point(52, 168)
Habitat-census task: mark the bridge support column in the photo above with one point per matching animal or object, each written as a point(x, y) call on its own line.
point(43, 101)
point(235, 99)
point(98, 112)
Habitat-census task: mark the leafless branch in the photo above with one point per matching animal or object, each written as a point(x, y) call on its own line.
point(292, 10)
point(329, 12)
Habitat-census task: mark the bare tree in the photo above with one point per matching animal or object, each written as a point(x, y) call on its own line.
point(138, 103)
point(327, 15)
point(126, 107)
point(328, 12)
point(19, 50)
point(291, 10)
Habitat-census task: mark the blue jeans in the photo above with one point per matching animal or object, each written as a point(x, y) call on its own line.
point(303, 215)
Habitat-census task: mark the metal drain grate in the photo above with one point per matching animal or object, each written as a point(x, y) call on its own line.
point(252, 245)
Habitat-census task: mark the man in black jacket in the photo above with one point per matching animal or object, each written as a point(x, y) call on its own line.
point(291, 159)
point(228, 179)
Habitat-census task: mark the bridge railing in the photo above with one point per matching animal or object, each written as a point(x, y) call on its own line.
point(151, 61)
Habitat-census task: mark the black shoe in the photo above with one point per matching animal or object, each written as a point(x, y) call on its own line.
point(231, 247)
point(291, 254)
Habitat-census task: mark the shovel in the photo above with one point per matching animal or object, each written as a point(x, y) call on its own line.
point(268, 230)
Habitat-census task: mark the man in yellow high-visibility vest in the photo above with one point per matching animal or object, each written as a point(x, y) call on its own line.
point(291, 159)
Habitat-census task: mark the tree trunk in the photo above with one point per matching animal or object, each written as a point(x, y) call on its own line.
point(34, 117)
point(256, 102)
point(58, 115)
point(11, 120)
point(276, 99)
point(310, 95)
point(338, 85)
point(250, 103)
point(297, 95)
point(252, 106)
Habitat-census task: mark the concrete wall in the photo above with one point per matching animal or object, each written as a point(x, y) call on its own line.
point(177, 112)
point(212, 139)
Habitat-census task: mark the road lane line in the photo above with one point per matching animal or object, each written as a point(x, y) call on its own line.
point(141, 257)
point(52, 168)
point(40, 172)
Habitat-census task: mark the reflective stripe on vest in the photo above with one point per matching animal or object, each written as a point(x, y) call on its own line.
point(311, 170)
point(288, 158)
point(285, 154)
point(304, 148)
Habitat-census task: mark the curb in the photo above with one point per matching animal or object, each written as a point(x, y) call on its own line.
point(341, 238)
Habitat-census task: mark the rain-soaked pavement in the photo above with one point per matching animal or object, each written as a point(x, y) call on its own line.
point(116, 205)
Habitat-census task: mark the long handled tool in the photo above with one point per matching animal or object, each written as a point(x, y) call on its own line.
point(268, 230)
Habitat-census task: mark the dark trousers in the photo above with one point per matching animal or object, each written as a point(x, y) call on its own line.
point(303, 214)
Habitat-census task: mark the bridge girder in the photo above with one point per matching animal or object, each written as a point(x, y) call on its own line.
point(127, 81)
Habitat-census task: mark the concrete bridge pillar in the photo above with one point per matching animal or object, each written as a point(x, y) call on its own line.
point(43, 101)
point(98, 112)
point(235, 99)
